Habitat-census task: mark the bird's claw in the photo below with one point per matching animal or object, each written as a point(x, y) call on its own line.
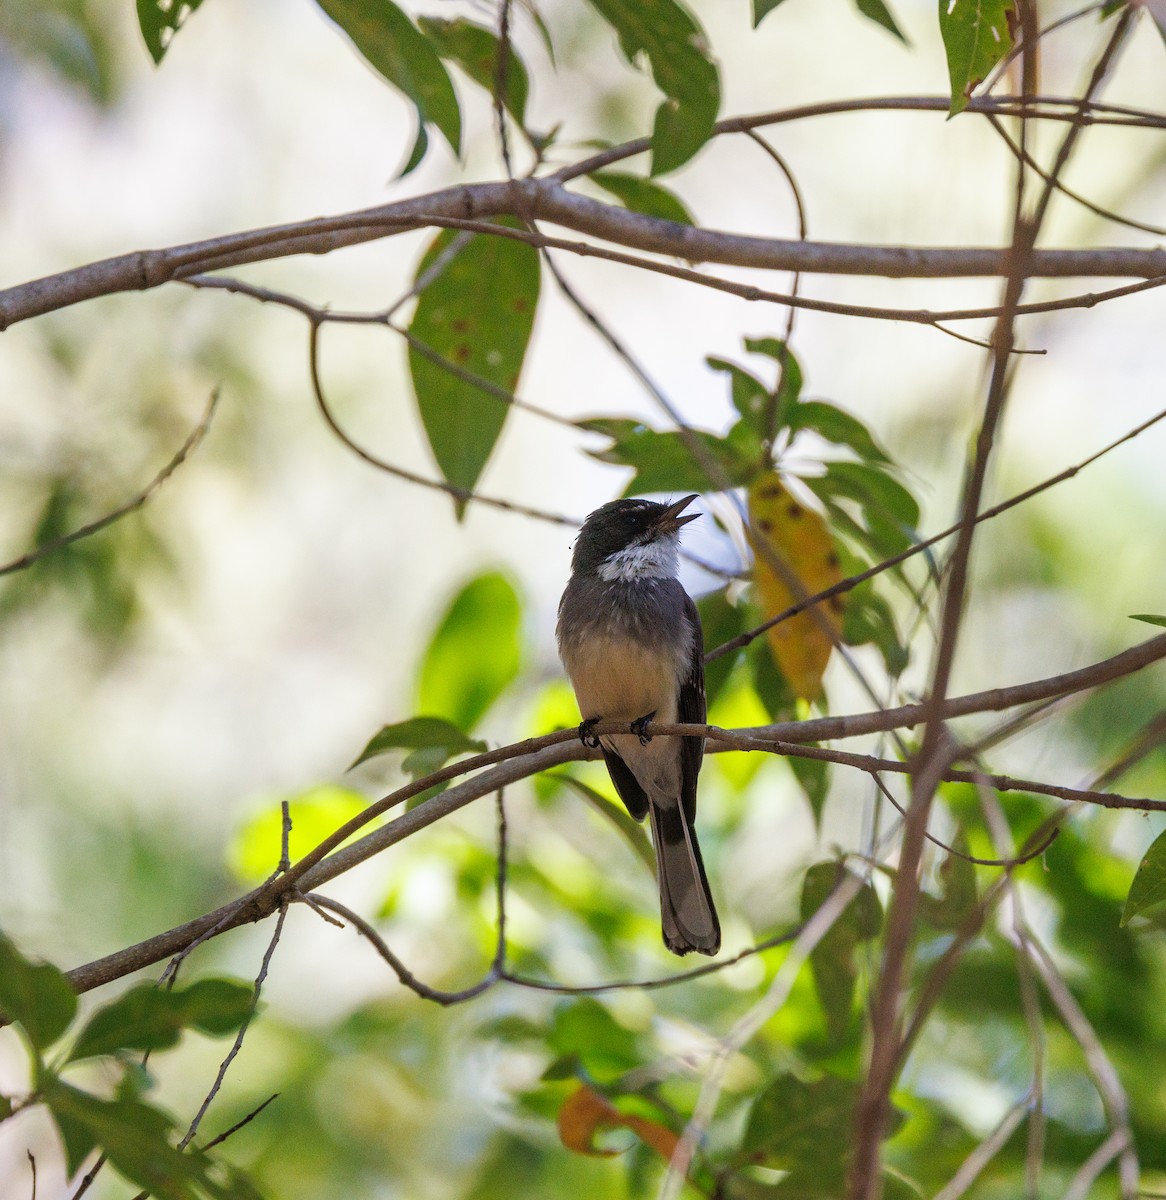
point(640, 727)
point(589, 739)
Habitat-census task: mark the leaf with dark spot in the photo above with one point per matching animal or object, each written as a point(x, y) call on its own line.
point(478, 315)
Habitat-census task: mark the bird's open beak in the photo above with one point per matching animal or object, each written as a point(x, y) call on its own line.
point(670, 520)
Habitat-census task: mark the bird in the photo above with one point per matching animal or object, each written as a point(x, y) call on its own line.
point(630, 639)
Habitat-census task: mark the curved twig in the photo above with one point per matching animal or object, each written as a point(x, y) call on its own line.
point(184, 451)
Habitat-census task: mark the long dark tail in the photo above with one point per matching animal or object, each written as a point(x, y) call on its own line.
point(687, 914)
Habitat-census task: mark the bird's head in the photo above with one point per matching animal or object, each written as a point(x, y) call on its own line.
point(631, 539)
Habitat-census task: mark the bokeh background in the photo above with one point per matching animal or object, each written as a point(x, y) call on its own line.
point(164, 685)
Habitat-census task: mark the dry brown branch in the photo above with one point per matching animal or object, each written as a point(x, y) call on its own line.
point(935, 752)
point(520, 760)
point(546, 199)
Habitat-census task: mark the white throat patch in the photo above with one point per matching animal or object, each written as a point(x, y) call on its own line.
point(647, 560)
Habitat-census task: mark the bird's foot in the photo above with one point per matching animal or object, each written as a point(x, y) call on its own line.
point(640, 727)
point(589, 739)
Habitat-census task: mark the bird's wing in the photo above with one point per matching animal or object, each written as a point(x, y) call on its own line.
point(692, 710)
point(630, 792)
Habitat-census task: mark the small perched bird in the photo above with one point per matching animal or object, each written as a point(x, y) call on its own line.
point(630, 639)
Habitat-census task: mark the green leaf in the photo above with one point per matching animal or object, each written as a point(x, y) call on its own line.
point(749, 395)
point(159, 25)
point(135, 1138)
point(976, 37)
point(832, 961)
point(789, 387)
point(150, 1018)
point(36, 995)
point(762, 9)
point(475, 49)
point(643, 196)
point(1149, 885)
point(813, 776)
point(404, 56)
point(776, 348)
point(837, 426)
point(420, 146)
point(867, 618)
point(676, 49)
point(888, 508)
point(614, 812)
point(584, 1030)
point(421, 733)
point(799, 1126)
point(488, 341)
point(475, 652)
point(1149, 618)
point(720, 621)
point(692, 461)
point(878, 12)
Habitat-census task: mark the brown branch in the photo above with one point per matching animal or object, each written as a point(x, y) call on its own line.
point(935, 752)
point(1084, 201)
point(1043, 108)
point(1012, 861)
point(872, 764)
point(402, 972)
point(546, 199)
point(522, 759)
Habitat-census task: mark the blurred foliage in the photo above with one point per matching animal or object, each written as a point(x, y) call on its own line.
point(135, 1137)
point(78, 41)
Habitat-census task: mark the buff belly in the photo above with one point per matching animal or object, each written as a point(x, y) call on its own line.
point(621, 680)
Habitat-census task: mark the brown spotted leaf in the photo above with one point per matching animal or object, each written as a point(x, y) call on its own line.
point(473, 323)
point(792, 545)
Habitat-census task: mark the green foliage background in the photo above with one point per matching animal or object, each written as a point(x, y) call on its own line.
point(166, 684)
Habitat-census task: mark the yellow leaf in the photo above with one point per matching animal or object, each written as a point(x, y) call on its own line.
point(315, 815)
point(794, 557)
point(585, 1112)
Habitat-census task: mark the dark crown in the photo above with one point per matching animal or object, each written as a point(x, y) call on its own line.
point(621, 523)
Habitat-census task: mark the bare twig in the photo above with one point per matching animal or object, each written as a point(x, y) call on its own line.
point(218, 1139)
point(184, 451)
point(1082, 1183)
point(983, 1154)
point(1105, 1077)
point(525, 758)
point(402, 972)
point(237, 1045)
point(440, 485)
point(89, 1177)
point(1042, 108)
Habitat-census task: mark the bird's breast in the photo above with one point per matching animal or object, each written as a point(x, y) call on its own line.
point(621, 679)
